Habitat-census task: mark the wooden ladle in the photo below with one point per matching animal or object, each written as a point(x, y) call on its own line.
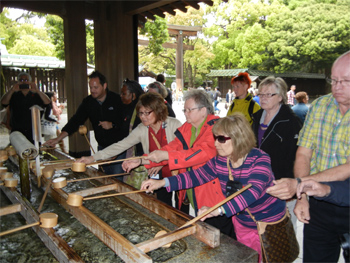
point(10, 182)
point(6, 175)
point(77, 200)
point(81, 167)
point(3, 170)
point(83, 131)
point(162, 232)
point(47, 220)
point(61, 182)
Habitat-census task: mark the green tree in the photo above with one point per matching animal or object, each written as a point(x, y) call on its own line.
point(24, 38)
point(54, 24)
point(157, 33)
point(309, 37)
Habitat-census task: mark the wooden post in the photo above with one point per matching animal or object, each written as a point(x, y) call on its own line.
point(179, 64)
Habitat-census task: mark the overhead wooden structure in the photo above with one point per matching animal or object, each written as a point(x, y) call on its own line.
point(116, 44)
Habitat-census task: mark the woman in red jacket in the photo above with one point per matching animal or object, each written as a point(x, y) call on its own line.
point(191, 149)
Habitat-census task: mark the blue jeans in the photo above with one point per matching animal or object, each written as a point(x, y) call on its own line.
point(216, 102)
point(114, 168)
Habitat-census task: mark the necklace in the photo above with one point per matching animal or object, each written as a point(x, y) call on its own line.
point(229, 168)
point(263, 126)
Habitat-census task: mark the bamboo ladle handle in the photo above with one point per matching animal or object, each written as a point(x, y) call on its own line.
point(89, 143)
point(95, 177)
point(103, 196)
point(18, 229)
point(115, 161)
point(215, 206)
point(45, 194)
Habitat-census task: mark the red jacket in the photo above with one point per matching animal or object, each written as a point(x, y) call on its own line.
point(181, 157)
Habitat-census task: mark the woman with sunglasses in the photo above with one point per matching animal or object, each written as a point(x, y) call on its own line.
point(237, 164)
point(155, 130)
point(276, 129)
point(191, 149)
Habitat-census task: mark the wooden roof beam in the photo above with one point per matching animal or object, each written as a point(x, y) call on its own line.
point(168, 9)
point(138, 7)
point(179, 5)
point(192, 4)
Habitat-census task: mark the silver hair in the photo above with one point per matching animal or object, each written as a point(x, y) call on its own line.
point(279, 84)
point(201, 98)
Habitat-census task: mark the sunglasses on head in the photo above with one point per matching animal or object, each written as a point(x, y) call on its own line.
point(221, 138)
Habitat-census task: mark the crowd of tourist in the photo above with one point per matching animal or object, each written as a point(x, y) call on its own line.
point(295, 156)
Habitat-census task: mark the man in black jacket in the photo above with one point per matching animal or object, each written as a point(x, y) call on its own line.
point(103, 108)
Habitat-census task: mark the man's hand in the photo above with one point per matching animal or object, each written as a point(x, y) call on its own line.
point(301, 210)
point(313, 188)
point(106, 125)
point(157, 156)
point(85, 159)
point(51, 142)
point(284, 188)
point(33, 87)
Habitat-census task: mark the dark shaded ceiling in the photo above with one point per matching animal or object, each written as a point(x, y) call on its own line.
point(144, 9)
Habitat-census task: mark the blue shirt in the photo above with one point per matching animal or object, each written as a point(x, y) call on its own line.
point(301, 110)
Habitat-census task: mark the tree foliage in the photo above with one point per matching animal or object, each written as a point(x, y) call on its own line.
point(308, 38)
point(24, 38)
point(157, 33)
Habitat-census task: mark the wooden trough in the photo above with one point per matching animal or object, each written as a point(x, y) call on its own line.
point(209, 247)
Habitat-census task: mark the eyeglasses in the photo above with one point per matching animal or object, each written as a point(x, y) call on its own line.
point(266, 95)
point(23, 80)
point(335, 82)
point(190, 110)
point(145, 113)
point(221, 138)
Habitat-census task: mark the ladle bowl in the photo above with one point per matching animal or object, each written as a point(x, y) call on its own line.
point(3, 170)
point(48, 220)
point(82, 129)
point(79, 167)
point(6, 175)
point(75, 200)
point(3, 158)
point(59, 182)
point(48, 172)
point(11, 182)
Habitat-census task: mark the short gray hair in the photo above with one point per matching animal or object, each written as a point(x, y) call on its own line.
point(280, 85)
point(201, 98)
point(24, 74)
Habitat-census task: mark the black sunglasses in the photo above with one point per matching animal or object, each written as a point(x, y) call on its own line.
point(221, 138)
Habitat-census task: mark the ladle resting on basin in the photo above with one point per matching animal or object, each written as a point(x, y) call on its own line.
point(47, 220)
point(77, 200)
point(81, 167)
point(10, 182)
point(61, 182)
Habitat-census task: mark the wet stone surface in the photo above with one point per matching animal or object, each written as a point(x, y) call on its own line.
point(26, 246)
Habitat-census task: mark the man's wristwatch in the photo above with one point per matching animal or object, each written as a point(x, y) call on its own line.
point(298, 180)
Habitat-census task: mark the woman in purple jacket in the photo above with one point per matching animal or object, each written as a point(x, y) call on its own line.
point(237, 164)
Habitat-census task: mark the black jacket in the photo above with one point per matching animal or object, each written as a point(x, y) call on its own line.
point(109, 110)
point(280, 140)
